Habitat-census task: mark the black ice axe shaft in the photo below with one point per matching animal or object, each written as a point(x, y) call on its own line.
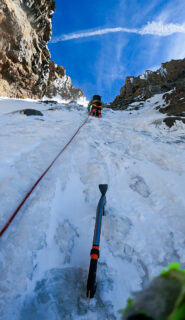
point(91, 282)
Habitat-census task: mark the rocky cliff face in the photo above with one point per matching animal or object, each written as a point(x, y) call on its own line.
point(59, 84)
point(25, 28)
point(169, 79)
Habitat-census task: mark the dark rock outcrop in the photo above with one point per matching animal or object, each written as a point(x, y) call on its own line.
point(175, 102)
point(169, 79)
point(28, 112)
point(175, 105)
point(25, 28)
point(171, 75)
point(170, 121)
point(31, 112)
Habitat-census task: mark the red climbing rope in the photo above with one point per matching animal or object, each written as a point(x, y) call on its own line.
point(37, 182)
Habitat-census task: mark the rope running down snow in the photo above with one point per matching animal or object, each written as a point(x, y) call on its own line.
point(37, 182)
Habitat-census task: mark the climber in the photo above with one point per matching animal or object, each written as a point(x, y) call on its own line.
point(95, 106)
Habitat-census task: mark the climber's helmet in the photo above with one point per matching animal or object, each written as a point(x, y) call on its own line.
point(97, 97)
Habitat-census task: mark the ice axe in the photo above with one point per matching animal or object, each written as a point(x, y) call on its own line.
point(91, 282)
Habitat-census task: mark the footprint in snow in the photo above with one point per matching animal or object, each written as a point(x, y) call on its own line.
point(114, 230)
point(65, 237)
point(139, 185)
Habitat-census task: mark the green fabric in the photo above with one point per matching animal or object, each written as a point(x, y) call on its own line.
point(162, 291)
point(172, 266)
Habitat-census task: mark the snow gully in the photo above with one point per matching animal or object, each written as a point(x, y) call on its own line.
point(39, 179)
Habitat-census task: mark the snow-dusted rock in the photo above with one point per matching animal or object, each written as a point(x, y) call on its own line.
point(59, 84)
point(25, 71)
point(169, 79)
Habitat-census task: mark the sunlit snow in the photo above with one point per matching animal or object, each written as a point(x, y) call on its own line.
point(45, 253)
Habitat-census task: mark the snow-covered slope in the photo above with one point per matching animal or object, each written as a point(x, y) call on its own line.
point(44, 255)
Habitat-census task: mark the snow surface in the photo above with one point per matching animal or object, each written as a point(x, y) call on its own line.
point(145, 75)
point(163, 71)
point(45, 253)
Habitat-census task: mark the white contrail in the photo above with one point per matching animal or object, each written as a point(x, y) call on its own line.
point(160, 29)
point(152, 28)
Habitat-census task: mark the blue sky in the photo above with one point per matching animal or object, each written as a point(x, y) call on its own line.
point(101, 42)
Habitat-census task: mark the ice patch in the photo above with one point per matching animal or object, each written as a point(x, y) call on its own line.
point(61, 294)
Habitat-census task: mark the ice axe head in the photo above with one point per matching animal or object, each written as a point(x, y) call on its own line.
point(103, 188)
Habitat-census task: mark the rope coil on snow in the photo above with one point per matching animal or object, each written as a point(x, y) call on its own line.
point(39, 179)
